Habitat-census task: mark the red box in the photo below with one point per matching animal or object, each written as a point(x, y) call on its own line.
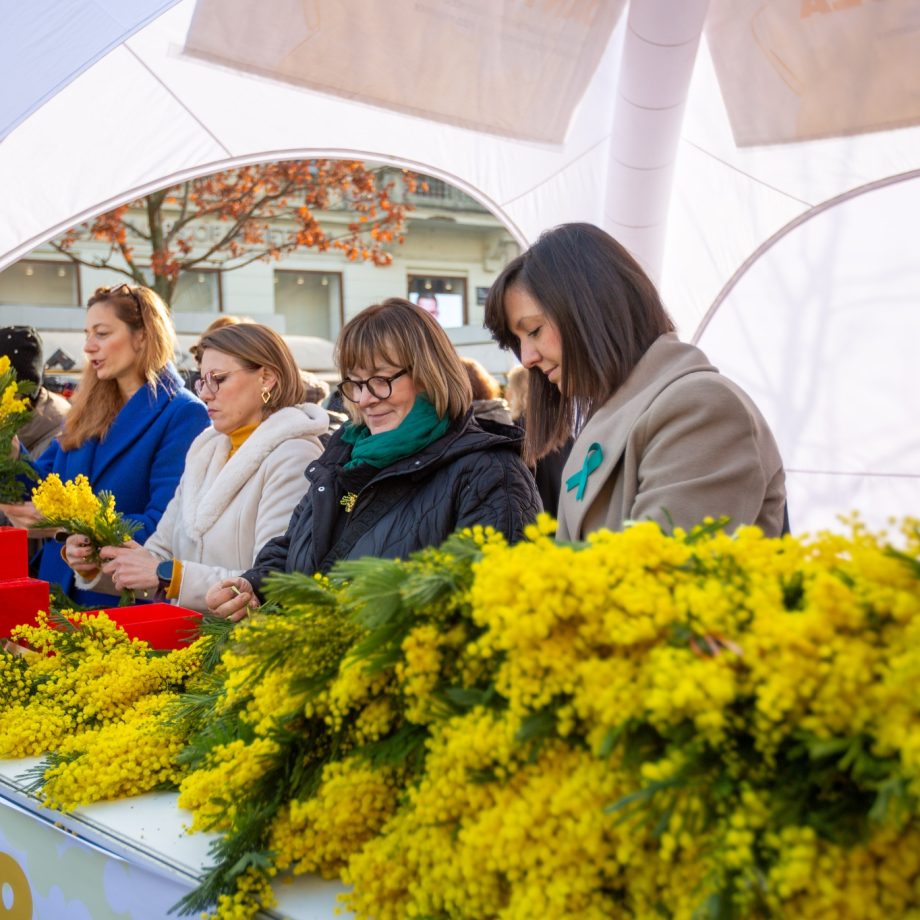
point(164, 626)
point(20, 600)
point(14, 553)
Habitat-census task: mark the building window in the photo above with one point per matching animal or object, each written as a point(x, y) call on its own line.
point(310, 302)
point(441, 195)
point(198, 292)
point(437, 189)
point(39, 283)
point(444, 297)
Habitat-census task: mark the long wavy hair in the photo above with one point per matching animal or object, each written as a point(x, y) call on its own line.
point(608, 314)
point(97, 402)
point(401, 334)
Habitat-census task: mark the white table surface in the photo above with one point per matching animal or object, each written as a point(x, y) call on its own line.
point(149, 830)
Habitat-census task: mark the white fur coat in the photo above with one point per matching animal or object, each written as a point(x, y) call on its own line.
point(224, 511)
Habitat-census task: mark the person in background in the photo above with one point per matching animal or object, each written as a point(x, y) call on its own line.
point(23, 346)
point(517, 382)
point(318, 392)
point(488, 403)
point(243, 477)
point(130, 424)
point(429, 303)
point(411, 467)
point(547, 470)
point(662, 435)
point(225, 319)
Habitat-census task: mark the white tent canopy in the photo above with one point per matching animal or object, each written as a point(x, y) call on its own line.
point(629, 119)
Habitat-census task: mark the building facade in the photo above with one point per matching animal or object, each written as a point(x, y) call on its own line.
point(453, 249)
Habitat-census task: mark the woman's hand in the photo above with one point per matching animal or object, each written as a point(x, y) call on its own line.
point(130, 566)
point(78, 554)
point(22, 514)
point(231, 598)
point(15, 448)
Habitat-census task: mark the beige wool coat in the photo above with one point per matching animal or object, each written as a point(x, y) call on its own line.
point(679, 442)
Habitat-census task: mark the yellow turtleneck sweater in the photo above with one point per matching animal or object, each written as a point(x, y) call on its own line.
point(238, 437)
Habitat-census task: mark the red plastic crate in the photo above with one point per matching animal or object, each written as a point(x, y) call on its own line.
point(20, 600)
point(164, 626)
point(14, 553)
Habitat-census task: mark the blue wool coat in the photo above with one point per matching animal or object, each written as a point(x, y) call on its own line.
point(140, 461)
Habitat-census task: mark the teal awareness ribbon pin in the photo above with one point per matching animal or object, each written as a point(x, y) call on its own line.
point(593, 460)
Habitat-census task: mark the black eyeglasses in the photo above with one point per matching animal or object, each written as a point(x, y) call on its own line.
point(211, 381)
point(379, 387)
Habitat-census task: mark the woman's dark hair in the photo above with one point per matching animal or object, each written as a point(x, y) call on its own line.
point(607, 312)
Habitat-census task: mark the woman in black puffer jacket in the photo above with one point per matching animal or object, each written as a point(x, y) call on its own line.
point(411, 467)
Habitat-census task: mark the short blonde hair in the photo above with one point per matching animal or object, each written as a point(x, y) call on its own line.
point(406, 336)
point(255, 346)
point(225, 319)
point(516, 390)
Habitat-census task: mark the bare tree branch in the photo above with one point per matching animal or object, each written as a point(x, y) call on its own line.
point(246, 204)
point(77, 260)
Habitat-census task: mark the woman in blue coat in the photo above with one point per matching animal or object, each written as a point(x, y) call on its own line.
point(131, 423)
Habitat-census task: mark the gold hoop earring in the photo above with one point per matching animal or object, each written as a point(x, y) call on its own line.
point(266, 396)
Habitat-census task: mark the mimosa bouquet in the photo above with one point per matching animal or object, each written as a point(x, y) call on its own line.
point(86, 684)
point(73, 507)
point(687, 726)
point(14, 413)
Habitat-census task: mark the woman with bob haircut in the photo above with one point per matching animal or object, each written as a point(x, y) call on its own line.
point(410, 468)
point(243, 477)
point(660, 433)
point(130, 424)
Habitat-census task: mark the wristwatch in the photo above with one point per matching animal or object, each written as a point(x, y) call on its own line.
point(165, 574)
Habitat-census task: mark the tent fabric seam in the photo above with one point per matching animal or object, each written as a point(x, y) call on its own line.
point(529, 191)
point(182, 104)
point(689, 41)
point(787, 228)
point(747, 175)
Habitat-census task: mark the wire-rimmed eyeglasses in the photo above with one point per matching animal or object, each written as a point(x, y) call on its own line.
point(379, 387)
point(211, 381)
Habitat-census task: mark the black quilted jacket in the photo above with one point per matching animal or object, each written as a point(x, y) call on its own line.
point(471, 475)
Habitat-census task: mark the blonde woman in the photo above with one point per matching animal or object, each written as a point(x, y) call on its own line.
point(243, 477)
point(411, 467)
point(130, 425)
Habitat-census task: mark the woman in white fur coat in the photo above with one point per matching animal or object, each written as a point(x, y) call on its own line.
point(242, 478)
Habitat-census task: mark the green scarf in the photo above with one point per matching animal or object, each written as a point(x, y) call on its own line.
point(417, 430)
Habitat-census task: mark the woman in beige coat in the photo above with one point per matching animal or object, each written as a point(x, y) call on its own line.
point(242, 478)
point(661, 435)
